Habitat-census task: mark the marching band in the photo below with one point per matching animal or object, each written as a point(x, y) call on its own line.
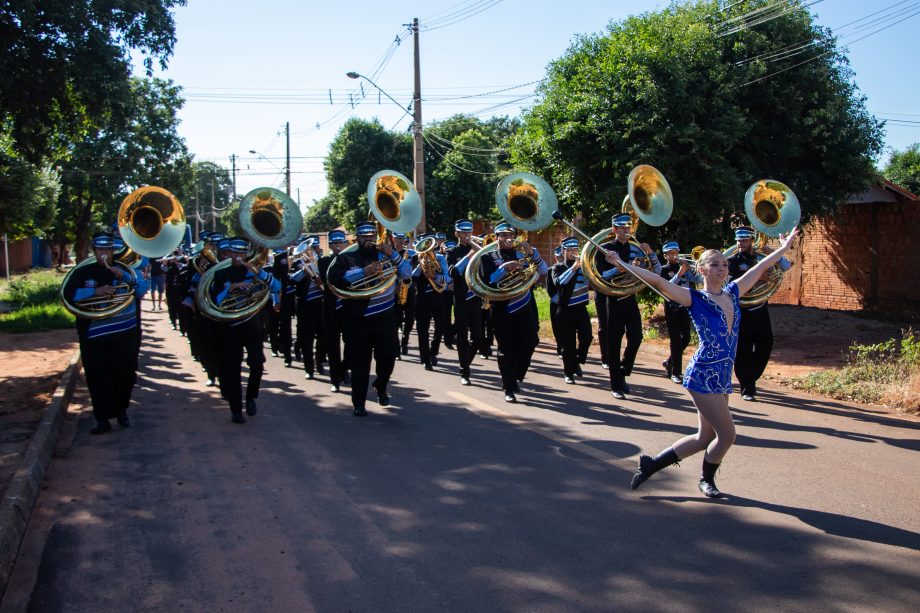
point(359, 303)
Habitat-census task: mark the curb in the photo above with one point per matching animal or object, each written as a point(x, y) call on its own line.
point(20, 497)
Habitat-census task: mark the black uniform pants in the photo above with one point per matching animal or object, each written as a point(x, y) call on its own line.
point(468, 325)
point(248, 336)
point(406, 316)
point(554, 325)
point(172, 305)
point(367, 337)
point(447, 317)
point(428, 307)
point(110, 367)
point(517, 339)
point(755, 344)
point(575, 336)
point(600, 306)
point(208, 351)
point(332, 337)
point(678, 320)
point(309, 329)
point(279, 329)
point(488, 331)
point(623, 317)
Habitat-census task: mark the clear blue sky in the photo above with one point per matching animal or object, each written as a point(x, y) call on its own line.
point(247, 68)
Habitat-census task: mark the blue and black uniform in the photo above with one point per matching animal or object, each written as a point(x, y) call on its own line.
point(514, 320)
point(368, 325)
point(467, 309)
point(572, 321)
point(309, 293)
point(279, 322)
point(429, 305)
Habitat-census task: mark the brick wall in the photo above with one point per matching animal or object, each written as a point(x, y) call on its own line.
point(857, 259)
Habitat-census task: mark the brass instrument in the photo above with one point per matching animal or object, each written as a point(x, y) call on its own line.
point(428, 260)
point(203, 256)
point(772, 209)
point(649, 200)
point(693, 257)
point(151, 221)
point(397, 207)
point(304, 251)
point(270, 219)
point(99, 307)
point(527, 202)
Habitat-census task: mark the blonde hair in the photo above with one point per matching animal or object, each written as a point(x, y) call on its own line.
point(707, 257)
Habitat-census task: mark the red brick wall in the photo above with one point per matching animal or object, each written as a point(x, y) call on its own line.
point(834, 263)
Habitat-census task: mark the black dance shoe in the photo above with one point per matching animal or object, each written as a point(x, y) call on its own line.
point(709, 489)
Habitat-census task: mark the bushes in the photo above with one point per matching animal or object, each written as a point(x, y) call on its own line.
point(35, 303)
point(884, 373)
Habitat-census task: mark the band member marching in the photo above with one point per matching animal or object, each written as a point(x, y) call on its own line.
point(571, 301)
point(623, 315)
point(369, 324)
point(755, 340)
point(551, 291)
point(332, 315)
point(514, 320)
point(279, 321)
point(676, 315)
point(108, 345)
point(402, 295)
point(239, 335)
point(467, 305)
point(429, 305)
point(309, 292)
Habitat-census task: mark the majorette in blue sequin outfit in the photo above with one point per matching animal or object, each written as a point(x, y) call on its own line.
point(710, 368)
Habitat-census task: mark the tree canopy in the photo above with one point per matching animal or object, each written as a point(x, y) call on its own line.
point(710, 108)
point(904, 168)
point(66, 64)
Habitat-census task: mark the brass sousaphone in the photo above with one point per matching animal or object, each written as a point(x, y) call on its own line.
point(527, 202)
point(151, 222)
point(396, 205)
point(270, 219)
point(772, 209)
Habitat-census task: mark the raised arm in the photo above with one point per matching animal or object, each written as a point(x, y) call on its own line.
point(746, 281)
point(678, 294)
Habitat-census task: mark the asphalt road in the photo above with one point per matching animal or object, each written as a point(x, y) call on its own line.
point(451, 499)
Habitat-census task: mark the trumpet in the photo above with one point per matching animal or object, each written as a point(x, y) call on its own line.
point(694, 255)
point(304, 252)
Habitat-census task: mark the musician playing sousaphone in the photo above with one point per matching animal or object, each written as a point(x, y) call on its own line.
point(100, 293)
point(369, 322)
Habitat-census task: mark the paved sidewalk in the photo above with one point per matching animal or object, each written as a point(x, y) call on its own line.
point(451, 499)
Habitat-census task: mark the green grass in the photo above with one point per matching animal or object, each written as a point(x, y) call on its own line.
point(35, 302)
point(872, 374)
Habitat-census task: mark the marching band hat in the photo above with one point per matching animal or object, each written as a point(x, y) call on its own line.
point(223, 245)
point(570, 242)
point(204, 234)
point(117, 243)
point(557, 252)
point(215, 237)
point(337, 236)
point(103, 240)
point(441, 236)
point(451, 244)
point(239, 244)
point(671, 246)
point(400, 235)
point(463, 225)
point(315, 238)
point(743, 232)
point(621, 220)
point(366, 228)
point(279, 251)
point(504, 227)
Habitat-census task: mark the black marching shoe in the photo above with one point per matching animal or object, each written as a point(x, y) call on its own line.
point(434, 360)
point(429, 367)
point(251, 408)
point(578, 371)
point(510, 397)
point(383, 399)
point(569, 380)
point(287, 362)
point(236, 417)
point(308, 375)
point(648, 466)
point(123, 420)
point(334, 388)
point(666, 364)
point(626, 389)
point(464, 380)
point(101, 427)
point(618, 394)
point(707, 482)
point(676, 379)
point(360, 412)
point(319, 368)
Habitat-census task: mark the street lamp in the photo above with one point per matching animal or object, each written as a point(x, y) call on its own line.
point(287, 175)
point(418, 152)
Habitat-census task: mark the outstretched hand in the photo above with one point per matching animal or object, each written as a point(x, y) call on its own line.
point(786, 240)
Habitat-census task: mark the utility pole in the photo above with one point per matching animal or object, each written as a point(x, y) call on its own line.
point(233, 174)
point(213, 212)
point(418, 175)
point(287, 165)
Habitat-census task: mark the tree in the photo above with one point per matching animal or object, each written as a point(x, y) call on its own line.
point(28, 195)
point(704, 105)
point(360, 149)
point(138, 146)
point(904, 168)
point(319, 217)
point(66, 64)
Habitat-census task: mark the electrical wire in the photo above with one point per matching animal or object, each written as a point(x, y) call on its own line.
point(467, 15)
point(457, 166)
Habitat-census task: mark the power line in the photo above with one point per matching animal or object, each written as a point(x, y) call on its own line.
point(457, 166)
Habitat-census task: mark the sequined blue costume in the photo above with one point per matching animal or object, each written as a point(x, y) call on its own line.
point(710, 368)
